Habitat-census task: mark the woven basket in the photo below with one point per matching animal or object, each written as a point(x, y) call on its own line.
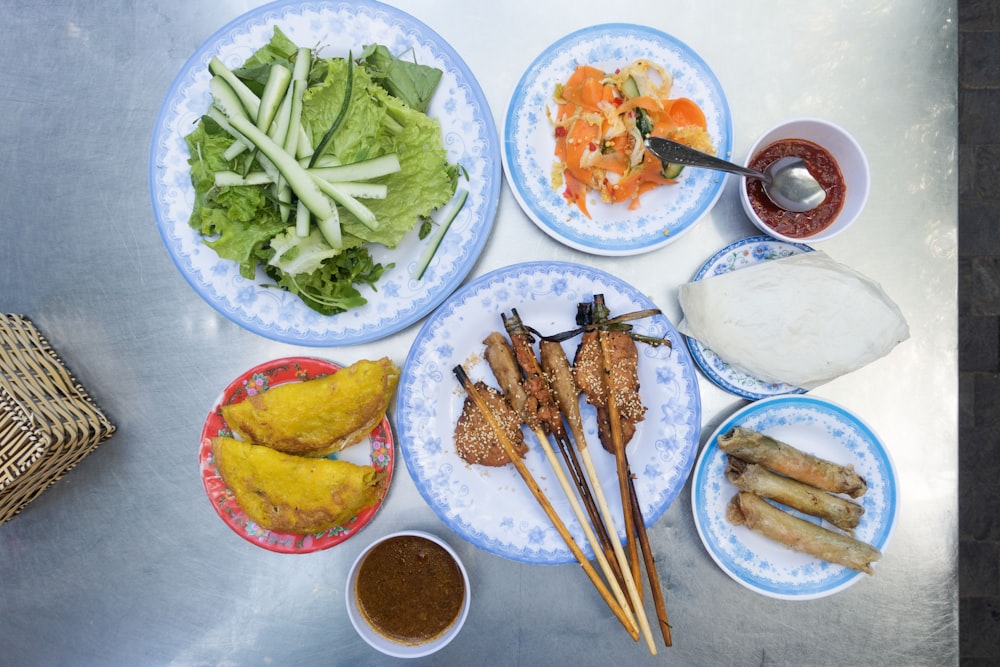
point(48, 422)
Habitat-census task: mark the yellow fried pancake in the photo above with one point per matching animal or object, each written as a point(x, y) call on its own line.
point(294, 494)
point(319, 416)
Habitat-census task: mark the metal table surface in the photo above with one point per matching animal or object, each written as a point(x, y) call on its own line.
point(125, 562)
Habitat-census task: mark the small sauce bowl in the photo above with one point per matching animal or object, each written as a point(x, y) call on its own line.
point(849, 157)
point(408, 594)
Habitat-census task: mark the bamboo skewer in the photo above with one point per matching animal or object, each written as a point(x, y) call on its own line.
point(621, 464)
point(619, 553)
point(650, 562)
point(539, 495)
point(557, 365)
point(547, 414)
point(537, 412)
point(627, 483)
point(623, 485)
point(501, 359)
point(598, 518)
point(595, 545)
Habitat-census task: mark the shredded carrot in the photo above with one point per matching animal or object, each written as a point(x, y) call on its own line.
point(685, 112)
point(599, 130)
point(647, 102)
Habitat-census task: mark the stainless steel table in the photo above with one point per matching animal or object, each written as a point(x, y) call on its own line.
point(125, 562)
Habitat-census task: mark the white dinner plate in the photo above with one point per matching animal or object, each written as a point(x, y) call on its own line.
point(491, 507)
point(469, 137)
point(816, 426)
point(735, 256)
point(666, 212)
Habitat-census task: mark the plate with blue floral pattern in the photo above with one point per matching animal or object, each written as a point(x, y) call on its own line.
point(816, 426)
point(665, 213)
point(398, 299)
point(492, 507)
point(735, 256)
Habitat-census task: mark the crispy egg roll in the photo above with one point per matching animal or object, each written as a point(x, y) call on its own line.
point(754, 447)
point(755, 478)
point(747, 509)
point(295, 494)
point(320, 416)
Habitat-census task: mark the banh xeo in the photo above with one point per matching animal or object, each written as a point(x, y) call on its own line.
point(601, 121)
point(301, 162)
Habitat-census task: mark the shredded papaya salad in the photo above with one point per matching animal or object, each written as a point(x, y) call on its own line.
point(601, 121)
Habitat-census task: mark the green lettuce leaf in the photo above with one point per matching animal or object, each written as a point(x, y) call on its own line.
point(410, 82)
point(255, 70)
point(377, 123)
point(331, 289)
point(296, 254)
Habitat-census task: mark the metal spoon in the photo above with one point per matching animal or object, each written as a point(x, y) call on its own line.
point(787, 181)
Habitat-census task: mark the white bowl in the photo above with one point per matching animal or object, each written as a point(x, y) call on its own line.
point(853, 167)
point(378, 640)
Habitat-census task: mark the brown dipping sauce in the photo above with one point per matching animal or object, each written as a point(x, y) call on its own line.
point(824, 168)
point(410, 589)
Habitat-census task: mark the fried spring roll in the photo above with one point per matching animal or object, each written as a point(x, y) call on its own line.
point(755, 447)
point(747, 509)
point(755, 478)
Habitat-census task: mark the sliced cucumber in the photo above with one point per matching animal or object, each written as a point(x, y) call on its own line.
point(248, 99)
point(642, 120)
point(672, 170)
point(434, 242)
point(382, 165)
point(330, 229)
point(349, 202)
point(274, 92)
point(231, 178)
point(304, 185)
point(630, 88)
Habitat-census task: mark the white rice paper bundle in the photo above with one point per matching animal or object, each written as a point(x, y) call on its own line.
point(802, 320)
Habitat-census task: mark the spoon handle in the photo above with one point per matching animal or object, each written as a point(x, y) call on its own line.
point(671, 151)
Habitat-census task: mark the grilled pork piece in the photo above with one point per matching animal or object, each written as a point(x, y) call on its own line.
point(500, 357)
point(588, 371)
point(541, 407)
point(475, 439)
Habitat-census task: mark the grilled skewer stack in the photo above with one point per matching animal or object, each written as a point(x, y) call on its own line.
point(545, 397)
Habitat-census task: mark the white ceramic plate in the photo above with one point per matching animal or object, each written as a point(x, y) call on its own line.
point(735, 256)
point(491, 507)
point(666, 212)
point(816, 426)
point(469, 135)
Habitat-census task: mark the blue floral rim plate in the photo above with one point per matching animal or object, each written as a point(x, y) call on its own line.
point(735, 256)
point(816, 426)
point(666, 212)
point(491, 507)
point(469, 136)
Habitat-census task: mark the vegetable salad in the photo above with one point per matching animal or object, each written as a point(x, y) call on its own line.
point(601, 121)
point(301, 162)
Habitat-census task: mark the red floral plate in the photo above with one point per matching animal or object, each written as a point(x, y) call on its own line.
point(377, 452)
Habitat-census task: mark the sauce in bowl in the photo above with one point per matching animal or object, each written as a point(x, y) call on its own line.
point(824, 168)
point(410, 589)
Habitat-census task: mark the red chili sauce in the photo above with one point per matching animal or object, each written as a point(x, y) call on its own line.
point(824, 168)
